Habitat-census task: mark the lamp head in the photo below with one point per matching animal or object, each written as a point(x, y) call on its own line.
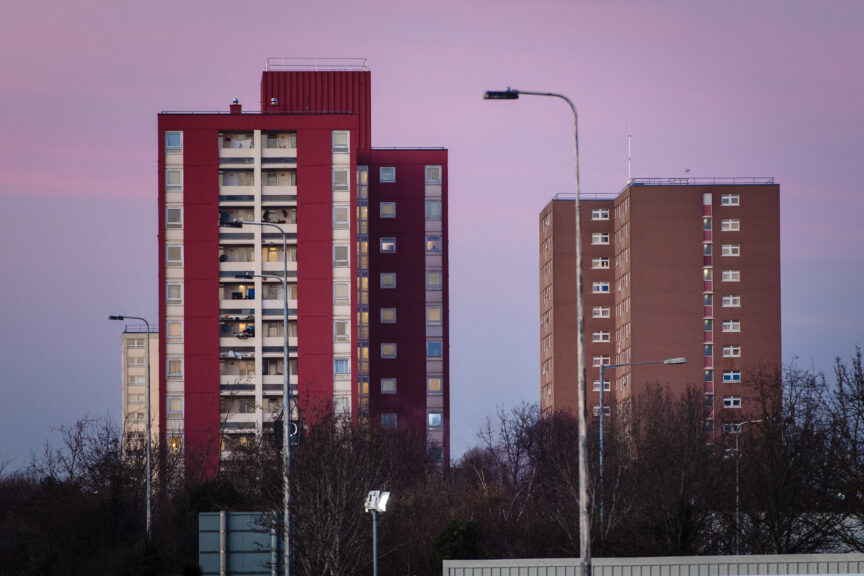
point(675, 361)
point(116, 317)
point(501, 95)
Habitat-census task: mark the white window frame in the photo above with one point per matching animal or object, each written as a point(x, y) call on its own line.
point(341, 365)
point(173, 301)
point(387, 174)
point(602, 360)
point(341, 217)
point(607, 385)
point(428, 239)
point(435, 419)
point(731, 376)
point(387, 210)
point(433, 174)
point(730, 250)
point(341, 330)
point(601, 312)
point(169, 187)
point(600, 214)
point(433, 209)
point(731, 276)
point(338, 147)
point(343, 300)
point(174, 224)
point(730, 200)
point(732, 401)
point(731, 326)
point(341, 180)
point(732, 351)
point(173, 149)
point(606, 410)
point(174, 263)
point(168, 335)
point(388, 385)
point(435, 286)
point(387, 245)
point(338, 260)
point(731, 301)
point(432, 308)
point(176, 375)
point(600, 288)
point(730, 225)
point(440, 390)
point(387, 285)
point(600, 263)
point(600, 238)
point(601, 336)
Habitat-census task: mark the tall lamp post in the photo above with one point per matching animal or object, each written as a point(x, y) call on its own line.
point(603, 368)
point(376, 501)
point(737, 494)
point(286, 388)
point(148, 433)
point(584, 513)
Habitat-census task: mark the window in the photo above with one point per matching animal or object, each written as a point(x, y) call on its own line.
point(135, 399)
point(341, 330)
point(387, 209)
point(433, 280)
point(433, 174)
point(173, 180)
point(731, 301)
point(708, 325)
point(730, 225)
point(433, 315)
point(341, 292)
point(388, 315)
point(434, 349)
point(600, 288)
point(340, 179)
point(340, 141)
point(236, 178)
point(433, 244)
point(708, 299)
point(731, 428)
point(340, 217)
point(709, 375)
point(708, 350)
point(175, 444)
point(388, 350)
point(603, 360)
point(174, 293)
point(388, 385)
point(175, 330)
point(730, 200)
point(387, 174)
point(600, 238)
point(731, 351)
point(600, 336)
point(606, 385)
point(606, 411)
point(600, 214)
point(175, 368)
point(731, 326)
point(173, 142)
point(136, 343)
point(706, 223)
point(174, 255)
point(136, 361)
point(731, 276)
point(601, 312)
point(173, 217)
point(341, 365)
point(732, 402)
point(602, 263)
point(387, 280)
point(730, 250)
point(707, 274)
point(435, 419)
point(388, 420)
point(707, 249)
point(340, 255)
point(433, 209)
point(434, 385)
point(388, 245)
point(175, 407)
point(731, 376)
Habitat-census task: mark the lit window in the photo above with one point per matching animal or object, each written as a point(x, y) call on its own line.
point(173, 142)
point(387, 174)
point(732, 402)
point(173, 255)
point(731, 351)
point(388, 245)
point(602, 263)
point(730, 250)
point(388, 420)
point(341, 330)
point(388, 385)
point(731, 376)
point(434, 349)
point(433, 280)
point(173, 180)
point(709, 375)
point(174, 293)
point(175, 444)
point(606, 385)
point(600, 214)
point(600, 287)
point(387, 209)
point(433, 174)
point(600, 336)
point(387, 280)
point(433, 244)
point(708, 325)
point(340, 141)
point(175, 330)
point(707, 274)
point(433, 315)
point(730, 225)
point(175, 368)
point(388, 350)
point(707, 299)
point(341, 365)
point(731, 301)
point(340, 255)
point(433, 209)
point(341, 217)
point(340, 179)
point(341, 292)
point(435, 419)
point(601, 312)
point(706, 223)
point(731, 275)
point(388, 315)
point(434, 385)
point(730, 200)
point(600, 238)
point(731, 326)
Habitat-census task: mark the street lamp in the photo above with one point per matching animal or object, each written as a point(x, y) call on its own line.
point(584, 495)
point(737, 498)
point(603, 368)
point(146, 409)
point(376, 501)
point(286, 387)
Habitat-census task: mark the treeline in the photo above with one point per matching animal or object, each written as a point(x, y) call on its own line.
point(79, 507)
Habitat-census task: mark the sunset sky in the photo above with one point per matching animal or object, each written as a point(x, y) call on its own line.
point(720, 88)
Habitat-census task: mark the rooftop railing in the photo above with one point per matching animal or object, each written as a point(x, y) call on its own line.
point(316, 64)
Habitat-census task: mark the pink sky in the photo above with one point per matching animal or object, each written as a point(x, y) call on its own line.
point(733, 88)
